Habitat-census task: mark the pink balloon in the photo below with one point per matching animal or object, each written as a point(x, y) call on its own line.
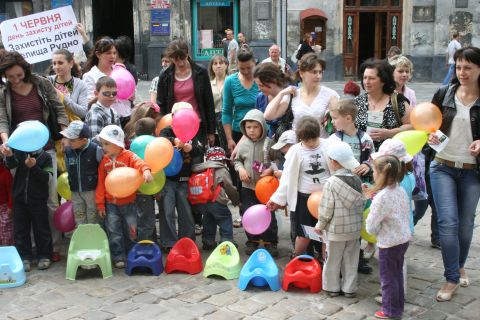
point(64, 220)
point(256, 219)
point(125, 81)
point(185, 124)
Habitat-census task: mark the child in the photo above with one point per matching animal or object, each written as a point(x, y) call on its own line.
point(145, 203)
point(30, 195)
point(174, 193)
point(120, 213)
point(6, 219)
point(100, 114)
point(217, 212)
point(307, 168)
point(351, 90)
point(340, 215)
point(251, 157)
point(388, 220)
point(82, 158)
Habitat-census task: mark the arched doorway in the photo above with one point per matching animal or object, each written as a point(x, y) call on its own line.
point(314, 20)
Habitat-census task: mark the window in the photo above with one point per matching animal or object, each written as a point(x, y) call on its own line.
point(372, 3)
point(15, 9)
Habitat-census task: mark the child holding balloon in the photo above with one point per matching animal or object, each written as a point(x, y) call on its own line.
point(6, 219)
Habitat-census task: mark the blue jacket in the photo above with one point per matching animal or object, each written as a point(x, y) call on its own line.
point(82, 166)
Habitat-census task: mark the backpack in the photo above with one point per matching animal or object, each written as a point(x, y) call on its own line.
point(201, 187)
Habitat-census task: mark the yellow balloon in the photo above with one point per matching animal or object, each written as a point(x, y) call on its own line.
point(365, 235)
point(63, 188)
point(414, 140)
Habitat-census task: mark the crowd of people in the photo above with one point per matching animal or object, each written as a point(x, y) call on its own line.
point(256, 120)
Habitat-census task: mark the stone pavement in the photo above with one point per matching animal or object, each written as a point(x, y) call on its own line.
point(47, 295)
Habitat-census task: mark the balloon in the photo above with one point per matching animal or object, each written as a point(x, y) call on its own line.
point(163, 123)
point(175, 164)
point(256, 219)
point(155, 186)
point(265, 188)
point(124, 80)
point(139, 144)
point(185, 124)
point(63, 219)
point(414, 140)
point(63, 187)
point(365, 235)
point(313, 202)
point(426, 117)
point(29, 136)
point(123, 182)
point(158, 154)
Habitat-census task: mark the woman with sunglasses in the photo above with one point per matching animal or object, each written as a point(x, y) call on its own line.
point(187, 81)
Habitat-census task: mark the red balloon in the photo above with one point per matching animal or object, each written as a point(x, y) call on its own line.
point(265, 188)
point(63, 219)
point(185, 124)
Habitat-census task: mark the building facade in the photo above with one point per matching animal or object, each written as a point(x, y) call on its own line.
point(349, 31)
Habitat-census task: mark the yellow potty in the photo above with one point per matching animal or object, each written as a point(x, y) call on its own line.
point(224, 261)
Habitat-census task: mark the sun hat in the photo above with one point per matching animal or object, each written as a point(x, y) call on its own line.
point(343, 154)
point(113, 134)
point(393, 147)
point(75, 130)
point(288, 137)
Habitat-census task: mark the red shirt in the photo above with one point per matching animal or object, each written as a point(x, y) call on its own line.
point(184, 91)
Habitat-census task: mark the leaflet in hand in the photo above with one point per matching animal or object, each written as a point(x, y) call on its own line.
point(311, 234)
point(443, 141)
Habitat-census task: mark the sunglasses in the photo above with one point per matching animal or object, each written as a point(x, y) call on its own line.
point(109, 93)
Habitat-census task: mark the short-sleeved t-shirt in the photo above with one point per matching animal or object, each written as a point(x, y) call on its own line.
point(314, 171)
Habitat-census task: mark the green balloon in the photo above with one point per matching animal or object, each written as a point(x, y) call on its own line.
point(155, 186)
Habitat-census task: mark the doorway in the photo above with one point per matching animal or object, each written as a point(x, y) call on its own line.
point(372, 44)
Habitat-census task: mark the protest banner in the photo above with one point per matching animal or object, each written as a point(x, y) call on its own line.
point(38, 35)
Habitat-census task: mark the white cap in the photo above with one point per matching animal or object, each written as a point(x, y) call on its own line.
point(180, 105)
point(342, 153)
point(393, 147)
point(288, 137)
point(113, 134)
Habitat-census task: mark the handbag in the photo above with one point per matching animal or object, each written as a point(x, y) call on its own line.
point(285, 122)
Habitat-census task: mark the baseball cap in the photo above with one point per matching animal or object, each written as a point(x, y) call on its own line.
point(216, 154)
point(76, 129)
point(113, 134)
point(288, 137)
point(342, 153)
point(393, 147)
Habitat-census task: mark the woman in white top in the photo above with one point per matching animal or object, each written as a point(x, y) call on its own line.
point(402, 74)
point(217, 71)
point(454, 174)
point(311, 99)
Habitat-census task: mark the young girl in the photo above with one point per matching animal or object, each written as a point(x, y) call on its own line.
point(305, 171)
point(6, 219)
point(388, 220)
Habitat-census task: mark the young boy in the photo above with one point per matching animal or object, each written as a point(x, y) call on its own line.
point(120, 213)
point(100, 114)
point(340, 216)
point(30, 195)
point(252, 156)
point(217, 212)
point(82, 158)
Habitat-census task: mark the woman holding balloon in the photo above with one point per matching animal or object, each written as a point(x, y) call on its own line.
point(454, 171)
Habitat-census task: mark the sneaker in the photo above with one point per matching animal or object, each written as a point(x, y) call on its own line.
point(350, 295)
point(251, 247)
point(237, 223)
point(332, 294)
point(380, 315)
point(198, 229)
point(43, 264)
point(378, 299)
point(56, 256)
point(272, 249)
point(209, 245)
point(119, 264)
point(27, 265)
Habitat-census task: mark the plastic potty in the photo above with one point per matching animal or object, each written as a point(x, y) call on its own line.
point(147, 254)
point(11, 268)
point(224, 261)
point(184, 257)
point(261, 270)
point(303, 272)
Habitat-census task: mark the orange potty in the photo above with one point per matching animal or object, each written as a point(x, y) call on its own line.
point(303, 272)
point(184, 257)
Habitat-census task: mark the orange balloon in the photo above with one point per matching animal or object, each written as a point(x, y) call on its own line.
point(426, 117)
point(158, 154)
point(265, 187)
point(123, 182)
point(313, 202)
point(163, 123)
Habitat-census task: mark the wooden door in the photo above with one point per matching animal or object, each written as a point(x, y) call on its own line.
point(350, 44)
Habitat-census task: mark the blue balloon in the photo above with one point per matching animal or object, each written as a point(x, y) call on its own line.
point(139, 144)
point(175, 164)
point(29, 136)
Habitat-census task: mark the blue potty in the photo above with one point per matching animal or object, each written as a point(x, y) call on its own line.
point(261, 270)
point(145, 254)
point(11, 268)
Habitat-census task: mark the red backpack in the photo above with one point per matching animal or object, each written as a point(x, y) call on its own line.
point(201, 187)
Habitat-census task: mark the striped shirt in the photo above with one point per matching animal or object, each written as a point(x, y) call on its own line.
point(29, 107)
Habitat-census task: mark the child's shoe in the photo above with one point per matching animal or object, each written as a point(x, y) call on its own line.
point(350, 294)
point(272, 249)
point(27, 265)
point(119, 264)
point(44, 264)
point(332, 294)
point(251, 247)
point(380, 315)
point(56, 256)
point(209, 245)
point(237, 223)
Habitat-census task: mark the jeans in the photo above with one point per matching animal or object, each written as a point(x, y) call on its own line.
point(174, 196)
point(146, 216)
point(121, 223)
point(449, 75)
point(456, 193)
point(214, 214)
point(420, 209)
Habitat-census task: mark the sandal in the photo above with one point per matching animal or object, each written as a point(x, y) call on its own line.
point(464, 281)
point(237, 223)
point(446, 294)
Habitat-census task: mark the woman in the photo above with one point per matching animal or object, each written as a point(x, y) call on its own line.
point(454, 172)
point(381, 113)
point(187, 81)
point(217, 70)
point(311, 99)
point(402, 73)
point(25, 96)
point(306, 46)
point(239, 96)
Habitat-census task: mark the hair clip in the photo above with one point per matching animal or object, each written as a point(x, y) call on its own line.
point(154, 106)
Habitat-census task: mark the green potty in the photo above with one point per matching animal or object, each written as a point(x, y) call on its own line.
point(224, 261)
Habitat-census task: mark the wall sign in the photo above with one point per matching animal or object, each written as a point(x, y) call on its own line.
point(160, 22)
point(423, 13)
point(215, 3)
